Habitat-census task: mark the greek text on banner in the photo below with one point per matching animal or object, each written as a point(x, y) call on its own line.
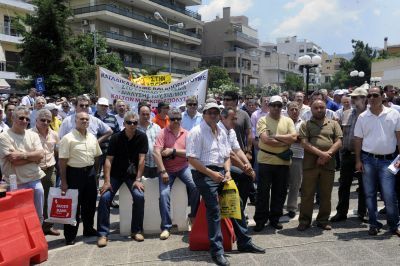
point(112, 86)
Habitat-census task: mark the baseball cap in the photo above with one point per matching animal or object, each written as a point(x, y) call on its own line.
point(338, 92)
point(275, 98)
point(359, 92)
point(163, 104)
point(211, 106)
point(51, 106)
point(102, 101)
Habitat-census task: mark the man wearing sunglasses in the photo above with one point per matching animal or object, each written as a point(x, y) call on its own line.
point(377, 133)
point(276, 133)
point(96, 126)
point(170, 157)
point(191, 117)
point(49, 141)
point(20, 152)
point(127, 149)
point(78, 156)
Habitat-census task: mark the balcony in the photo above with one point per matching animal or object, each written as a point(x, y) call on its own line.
point(179, 9)
point(131, 15)
point(9, 34)
point(245, 40)
point(173, 70)
point(142, 42)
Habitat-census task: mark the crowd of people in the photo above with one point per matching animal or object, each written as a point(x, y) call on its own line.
point(274, 148)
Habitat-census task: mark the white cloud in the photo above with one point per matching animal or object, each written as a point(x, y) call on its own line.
point(214, 8)
point(377, 12)
point(316, 16)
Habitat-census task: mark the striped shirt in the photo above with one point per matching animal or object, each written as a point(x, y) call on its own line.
point(151, 131)
point(208, 148)
point(231, 134)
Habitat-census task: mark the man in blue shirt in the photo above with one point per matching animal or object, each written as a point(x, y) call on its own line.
point(191, 117)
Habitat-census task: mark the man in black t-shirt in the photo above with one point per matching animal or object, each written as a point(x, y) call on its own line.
point(126, 148)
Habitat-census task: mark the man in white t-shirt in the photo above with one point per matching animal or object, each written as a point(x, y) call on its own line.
point(29, 100)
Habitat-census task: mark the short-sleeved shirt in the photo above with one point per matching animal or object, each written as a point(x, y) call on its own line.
point(273, 127)
point(112, 122)
point(378, 131)
point(80, 150)
point(161, 122)
point(55, 124)
point(151, 131)
point(331, 105)
point(231, 134)
point(297, 149)
point(167, 139)
point(254, 120)
point(126, 150)
point(96, 126)
point(243, 123)
point(188, 122)
point(308, 114)
point(322, 135)
point(207, 147)
point(348, 120)
point(48, 144)
point(27, 142)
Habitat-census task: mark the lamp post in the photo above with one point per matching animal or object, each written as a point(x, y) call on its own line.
point(180, 25)
point(375, 80)
point(356, 73)
point(93, 31)
point(308, 62)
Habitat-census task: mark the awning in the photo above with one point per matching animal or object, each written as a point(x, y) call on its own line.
point(4, 84)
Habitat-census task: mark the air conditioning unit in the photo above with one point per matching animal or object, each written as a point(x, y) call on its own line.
point(85, 22)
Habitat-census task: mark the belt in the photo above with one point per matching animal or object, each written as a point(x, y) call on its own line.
point(380, 156)
point(214, 167)
point(86, 168)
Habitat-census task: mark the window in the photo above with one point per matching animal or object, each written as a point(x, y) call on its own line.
point(114, 30)
point(8, 26)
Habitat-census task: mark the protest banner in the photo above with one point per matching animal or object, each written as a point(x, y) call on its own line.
point(153, 80)
point(112, 86)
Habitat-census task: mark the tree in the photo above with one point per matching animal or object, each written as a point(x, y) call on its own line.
point(294, 82)
point(218, 76)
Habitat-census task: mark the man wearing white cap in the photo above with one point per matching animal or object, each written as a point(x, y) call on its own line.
point(337, 97)
point(55, 121)
point(276, 133)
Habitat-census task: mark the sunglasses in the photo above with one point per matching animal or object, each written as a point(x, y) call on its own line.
point(22, 118)
point(213, 113)
point(84, 119)
point(131, 123)
point(192, 104)
point(45, 120)
point(84, 105)
point(375, 95)
point(278, 105)
point(65, 106)
point(176, 119)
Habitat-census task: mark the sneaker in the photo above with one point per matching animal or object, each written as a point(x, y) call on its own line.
point(164, 235)
point(102, 241)
point(138, 237)
point(338, 217)
point(114, 204)
point(372, 231)
point(291, 214)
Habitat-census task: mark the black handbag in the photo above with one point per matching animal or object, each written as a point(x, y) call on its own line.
point(286, 155)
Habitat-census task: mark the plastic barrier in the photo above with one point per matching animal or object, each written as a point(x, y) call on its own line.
point(198, 237)
point(22, 241)
point(152, 219)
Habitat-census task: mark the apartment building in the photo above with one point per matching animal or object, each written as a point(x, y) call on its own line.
point(9, 39)
point(329, 66)
point(296, 48)
point(142, 38)
point(388, 70)
point(231, 43)
point(275, 66)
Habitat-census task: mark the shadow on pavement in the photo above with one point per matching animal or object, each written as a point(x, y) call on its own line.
point(184, 254)
point(362, 235)
point(311, 232)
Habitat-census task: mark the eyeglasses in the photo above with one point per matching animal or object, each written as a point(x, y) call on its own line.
point(277, 105)
point(175, 119)
point(22, 118)
point(131, 123)
point(45, 120)
point(84, 119)
point(192, 104)
point(375, 95)
point(84, 105)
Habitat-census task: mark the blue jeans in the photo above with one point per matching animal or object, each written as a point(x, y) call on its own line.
point(103, 212)
point(38, 196)
point(376, 172)
point(209, 191)
point(165, 191)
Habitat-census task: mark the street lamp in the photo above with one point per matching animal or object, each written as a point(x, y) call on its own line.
point(356, 73)
point(375, 80)
point(308, 62)
point(93, 31)
point(180, 25)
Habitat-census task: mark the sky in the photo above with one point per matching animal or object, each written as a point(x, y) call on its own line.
point(329, 23)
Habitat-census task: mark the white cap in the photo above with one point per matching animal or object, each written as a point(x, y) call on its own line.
point(338, 92)
point(102, 101)
point(275, 98)
point(51, 106)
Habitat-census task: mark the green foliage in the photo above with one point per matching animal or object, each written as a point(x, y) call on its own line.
point(294, 82)
point(270, 90)
point(218, 76)
point(66, 62)
point(222, 88)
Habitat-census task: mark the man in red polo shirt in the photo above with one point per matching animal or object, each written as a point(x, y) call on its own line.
point(170, 156)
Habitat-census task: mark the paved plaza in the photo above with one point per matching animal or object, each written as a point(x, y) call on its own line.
point(347, 244)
